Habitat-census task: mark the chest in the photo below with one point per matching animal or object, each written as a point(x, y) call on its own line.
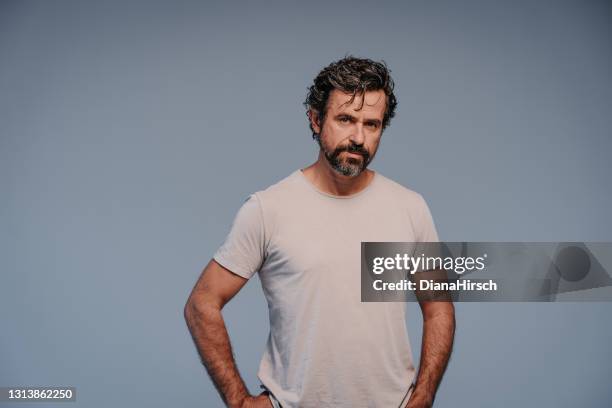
point(316, 242)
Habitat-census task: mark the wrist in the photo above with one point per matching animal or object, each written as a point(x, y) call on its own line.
point(239, 401)
point(420, 399)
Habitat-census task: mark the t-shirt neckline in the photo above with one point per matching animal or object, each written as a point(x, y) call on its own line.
point(302, 176)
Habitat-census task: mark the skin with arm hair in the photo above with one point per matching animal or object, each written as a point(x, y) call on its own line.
point(215, 287)
point(437, 345)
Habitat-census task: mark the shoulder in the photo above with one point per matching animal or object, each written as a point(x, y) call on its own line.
point(282, 188)
point(400, 192)
point(278, 196)
point(417, 208)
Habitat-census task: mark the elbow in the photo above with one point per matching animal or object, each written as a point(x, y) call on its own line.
point(188, 310)
point(197, 309)
point(191, 310)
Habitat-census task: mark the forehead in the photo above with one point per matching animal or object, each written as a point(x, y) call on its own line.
point(372, 104)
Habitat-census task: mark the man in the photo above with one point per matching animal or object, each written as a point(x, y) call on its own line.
point(326, 348)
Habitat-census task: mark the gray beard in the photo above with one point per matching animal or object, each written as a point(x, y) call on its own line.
point(347, 168)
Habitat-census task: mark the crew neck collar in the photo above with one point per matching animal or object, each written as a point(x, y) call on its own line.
point(302, 176)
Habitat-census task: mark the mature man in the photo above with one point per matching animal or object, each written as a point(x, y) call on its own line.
point(326, 348)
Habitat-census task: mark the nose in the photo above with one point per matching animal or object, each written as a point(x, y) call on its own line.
point(357, 135)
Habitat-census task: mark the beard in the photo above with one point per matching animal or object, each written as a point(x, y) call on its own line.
point(348, 165)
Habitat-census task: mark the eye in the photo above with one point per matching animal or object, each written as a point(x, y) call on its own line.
point(345, 119)
point(372, 125)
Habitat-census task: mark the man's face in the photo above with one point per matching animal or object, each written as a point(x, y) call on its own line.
point(351, 132)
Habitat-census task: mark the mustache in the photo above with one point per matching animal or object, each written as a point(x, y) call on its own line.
point(352, 149)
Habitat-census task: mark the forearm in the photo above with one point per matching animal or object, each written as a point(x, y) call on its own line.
point(437, 344)
point(212, 341)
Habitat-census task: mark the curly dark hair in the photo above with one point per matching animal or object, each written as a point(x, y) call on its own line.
point(351, 75)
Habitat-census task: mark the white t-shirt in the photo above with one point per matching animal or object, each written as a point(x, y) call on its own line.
point(326, 348)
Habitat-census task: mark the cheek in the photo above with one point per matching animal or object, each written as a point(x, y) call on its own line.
point(335, 134)
point(373, 145)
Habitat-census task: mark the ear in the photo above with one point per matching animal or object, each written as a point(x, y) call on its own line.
point(314, 120)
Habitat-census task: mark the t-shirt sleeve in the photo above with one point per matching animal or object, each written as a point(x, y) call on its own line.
point(243, 250)
point(428, 232)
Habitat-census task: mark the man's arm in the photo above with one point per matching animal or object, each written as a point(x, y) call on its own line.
point(215, 287)
point(437, 344)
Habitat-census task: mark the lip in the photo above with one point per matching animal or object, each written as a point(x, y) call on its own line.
point(355, 154)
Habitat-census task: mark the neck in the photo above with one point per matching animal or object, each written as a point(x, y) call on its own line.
point(326, 179)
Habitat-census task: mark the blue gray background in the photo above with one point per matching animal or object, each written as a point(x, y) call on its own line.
point(131, 132)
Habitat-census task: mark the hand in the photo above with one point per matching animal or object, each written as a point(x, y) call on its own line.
point(260, 401)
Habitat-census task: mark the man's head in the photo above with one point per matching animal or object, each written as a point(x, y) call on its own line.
point(349, 105)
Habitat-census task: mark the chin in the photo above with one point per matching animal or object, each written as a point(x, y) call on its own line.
point(349, 171)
